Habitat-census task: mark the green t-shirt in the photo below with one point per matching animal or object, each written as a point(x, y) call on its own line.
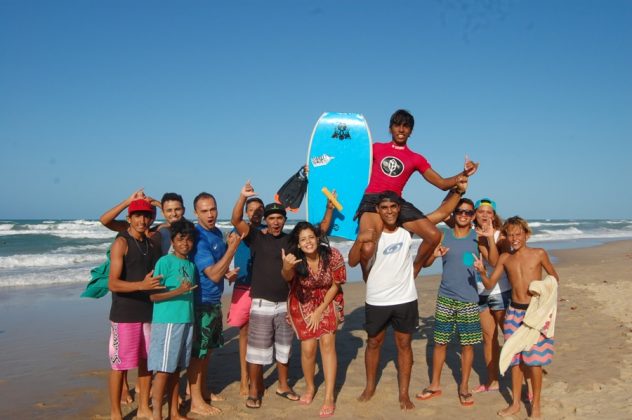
point(179, 309)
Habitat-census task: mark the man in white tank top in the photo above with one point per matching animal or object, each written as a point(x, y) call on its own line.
point(391, 295)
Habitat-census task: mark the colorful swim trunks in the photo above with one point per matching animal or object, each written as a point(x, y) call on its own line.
point(541, 354)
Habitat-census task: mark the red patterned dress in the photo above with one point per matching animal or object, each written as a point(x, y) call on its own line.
point(308, 293)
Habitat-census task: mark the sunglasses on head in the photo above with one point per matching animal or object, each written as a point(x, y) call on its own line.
point(463, 211)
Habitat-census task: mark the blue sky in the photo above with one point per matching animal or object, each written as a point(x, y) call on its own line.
point(98, 98)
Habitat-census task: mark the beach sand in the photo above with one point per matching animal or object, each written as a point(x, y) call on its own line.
point(54, 362)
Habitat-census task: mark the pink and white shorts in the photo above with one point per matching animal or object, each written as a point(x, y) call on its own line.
point(129, 342)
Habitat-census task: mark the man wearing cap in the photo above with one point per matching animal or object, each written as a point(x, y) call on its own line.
point(132, 260)
point(269, 332)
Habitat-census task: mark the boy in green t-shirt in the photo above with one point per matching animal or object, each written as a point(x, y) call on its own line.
point(172, 328)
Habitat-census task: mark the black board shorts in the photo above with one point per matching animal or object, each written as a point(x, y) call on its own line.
point(403, 317)
point(407, 212)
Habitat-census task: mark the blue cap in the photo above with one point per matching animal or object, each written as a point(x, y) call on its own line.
point(485, 202)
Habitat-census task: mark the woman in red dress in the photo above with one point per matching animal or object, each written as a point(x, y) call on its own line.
point(315, 305)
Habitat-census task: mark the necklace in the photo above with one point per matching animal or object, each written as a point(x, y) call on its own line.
point(136, 241)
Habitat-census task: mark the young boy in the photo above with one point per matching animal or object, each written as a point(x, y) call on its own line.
point(523, 265)
point(171, 328)
point(393, 164)
point(457, 303)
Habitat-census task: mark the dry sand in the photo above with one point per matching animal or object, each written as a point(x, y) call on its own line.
point(53, 361)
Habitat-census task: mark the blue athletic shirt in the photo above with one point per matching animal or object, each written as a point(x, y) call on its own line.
point(458, 280)
point(208, 250)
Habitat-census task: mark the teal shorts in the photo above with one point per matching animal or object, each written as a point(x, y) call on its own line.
point(207, 329)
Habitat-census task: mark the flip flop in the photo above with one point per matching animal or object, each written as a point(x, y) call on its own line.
point(463, 397)
point(289, 395)
point(253, 402)
point(426, 394)
point(327, 411)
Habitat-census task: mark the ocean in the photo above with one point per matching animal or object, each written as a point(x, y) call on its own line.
point(61, 252)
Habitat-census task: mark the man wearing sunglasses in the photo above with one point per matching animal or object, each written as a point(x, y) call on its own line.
point(457, 303)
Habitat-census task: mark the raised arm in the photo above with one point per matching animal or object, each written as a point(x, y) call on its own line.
point(108, 219)
point(469, 169)
point(237, 216)
point(325, 224)
point(450, 201)
point(490, 281)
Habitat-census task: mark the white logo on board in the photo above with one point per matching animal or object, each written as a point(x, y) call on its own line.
point(322, 160)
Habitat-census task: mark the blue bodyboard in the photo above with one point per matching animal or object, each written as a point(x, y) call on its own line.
point(339, 158)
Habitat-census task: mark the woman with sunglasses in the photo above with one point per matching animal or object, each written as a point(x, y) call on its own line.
point(493, 302)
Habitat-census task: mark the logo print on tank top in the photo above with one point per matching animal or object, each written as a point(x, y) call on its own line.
point(394, 248)
point(391, 166)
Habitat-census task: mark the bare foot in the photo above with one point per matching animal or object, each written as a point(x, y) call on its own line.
point(535, 412)
point(244, 390)
point(405, 403)
point(366, 395)
point(126, 397)
point(178, 416)
point(205, 410)
point(509, 411)
point(217, 397)
point(144, 414)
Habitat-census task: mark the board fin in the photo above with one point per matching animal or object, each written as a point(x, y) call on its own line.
point(291, 194)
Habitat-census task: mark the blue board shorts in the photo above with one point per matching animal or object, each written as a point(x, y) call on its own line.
point(170, 347)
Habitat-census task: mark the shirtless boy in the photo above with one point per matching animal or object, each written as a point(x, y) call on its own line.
point(522, 265)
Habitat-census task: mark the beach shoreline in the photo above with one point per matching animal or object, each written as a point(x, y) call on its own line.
point(54, 362)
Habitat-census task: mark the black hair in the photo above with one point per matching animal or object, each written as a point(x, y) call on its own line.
point(466, 201)
point(402, 117)
point(324, 250)
point(201, 196)
point(171, 196)
point(254, 200)
point(389, 196)
point(183, 227)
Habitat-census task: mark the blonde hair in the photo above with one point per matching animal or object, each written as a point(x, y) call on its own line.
point(516, 221)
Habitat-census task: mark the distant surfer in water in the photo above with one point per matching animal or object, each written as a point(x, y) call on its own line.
point(393, 164)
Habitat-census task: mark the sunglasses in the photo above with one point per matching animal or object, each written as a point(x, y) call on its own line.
point(466, 212)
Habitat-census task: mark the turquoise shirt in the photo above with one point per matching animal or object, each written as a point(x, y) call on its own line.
point(178, 309)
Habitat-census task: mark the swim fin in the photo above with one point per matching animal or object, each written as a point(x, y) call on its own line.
point(291, 194)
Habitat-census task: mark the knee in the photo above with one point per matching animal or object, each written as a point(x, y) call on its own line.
point(368, 248)
point(374, 343)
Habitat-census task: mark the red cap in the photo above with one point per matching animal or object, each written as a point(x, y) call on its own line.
point(140, 205)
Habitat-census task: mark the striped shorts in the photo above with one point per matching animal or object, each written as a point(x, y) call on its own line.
point(455, 316)
point(268, 332)
point(541, 354)
point(170, 347)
